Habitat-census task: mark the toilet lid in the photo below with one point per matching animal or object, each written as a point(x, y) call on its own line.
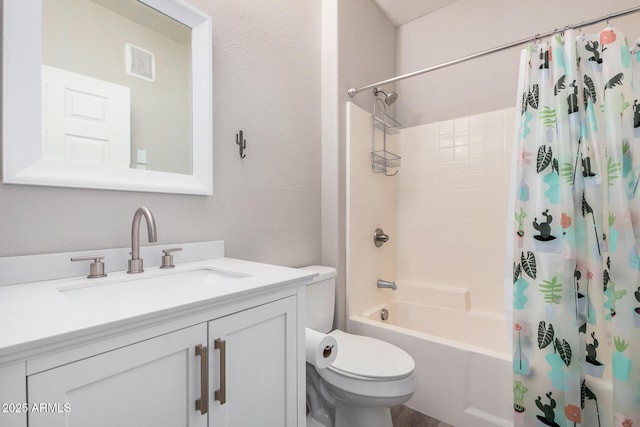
point(369, 357)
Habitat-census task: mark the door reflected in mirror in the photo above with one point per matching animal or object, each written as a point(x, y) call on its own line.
point(117, 94)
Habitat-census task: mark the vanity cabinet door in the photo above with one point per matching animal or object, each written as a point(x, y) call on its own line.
point(253, 367)
point(151, 383)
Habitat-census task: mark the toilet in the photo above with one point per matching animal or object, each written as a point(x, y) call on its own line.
point(367, 377)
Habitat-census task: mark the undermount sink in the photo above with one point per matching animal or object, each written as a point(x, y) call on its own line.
point(152, 284)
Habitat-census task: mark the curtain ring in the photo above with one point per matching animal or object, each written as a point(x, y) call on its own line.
point(536, 40)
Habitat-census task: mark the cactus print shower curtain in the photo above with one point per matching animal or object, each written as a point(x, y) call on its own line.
point(576, 300)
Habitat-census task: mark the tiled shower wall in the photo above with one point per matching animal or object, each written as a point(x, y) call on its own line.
point(371, 204)
point(445, 211)
point(452, 193)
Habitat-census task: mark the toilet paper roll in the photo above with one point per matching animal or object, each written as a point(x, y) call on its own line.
point(321, 349)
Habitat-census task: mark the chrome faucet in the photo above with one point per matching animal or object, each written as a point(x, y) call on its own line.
point(386, 284)
point(135, 263)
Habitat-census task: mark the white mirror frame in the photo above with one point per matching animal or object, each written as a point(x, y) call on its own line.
point(21, 109)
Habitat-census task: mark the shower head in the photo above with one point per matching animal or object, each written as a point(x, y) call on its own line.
point(389, 98)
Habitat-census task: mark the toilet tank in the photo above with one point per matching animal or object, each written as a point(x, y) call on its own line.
point(320, 298)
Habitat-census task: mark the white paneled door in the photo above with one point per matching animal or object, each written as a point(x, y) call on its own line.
point(85, 120)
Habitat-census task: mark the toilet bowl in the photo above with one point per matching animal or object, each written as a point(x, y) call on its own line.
point(367, 377)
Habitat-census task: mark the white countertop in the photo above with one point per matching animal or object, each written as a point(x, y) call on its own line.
point(33, 314)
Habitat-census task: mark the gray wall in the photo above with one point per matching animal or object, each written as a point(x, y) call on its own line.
point(469, 26)
point(266, 207)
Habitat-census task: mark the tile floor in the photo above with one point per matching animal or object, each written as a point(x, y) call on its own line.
point(403, 416)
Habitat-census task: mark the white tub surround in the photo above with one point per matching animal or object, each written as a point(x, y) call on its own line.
point(138, 340)
point(422, 307)
point(464, 359)
point(444, 213)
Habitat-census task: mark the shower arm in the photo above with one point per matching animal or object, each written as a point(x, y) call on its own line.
point(354, 91)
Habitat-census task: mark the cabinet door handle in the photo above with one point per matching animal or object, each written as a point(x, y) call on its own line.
point(202, 404)
point(221, 394)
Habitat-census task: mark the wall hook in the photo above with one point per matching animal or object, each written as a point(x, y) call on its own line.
point(242, 144)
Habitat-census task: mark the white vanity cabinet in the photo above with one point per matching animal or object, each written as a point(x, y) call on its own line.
point(151, 383)
point(253, 370)
point(250, 378)
point(250, 372)
point(13, 389)
point(216, 342)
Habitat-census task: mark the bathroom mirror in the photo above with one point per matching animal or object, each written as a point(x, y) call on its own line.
point(107, 94)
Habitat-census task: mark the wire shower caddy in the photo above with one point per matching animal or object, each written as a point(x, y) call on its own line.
point(383, 160)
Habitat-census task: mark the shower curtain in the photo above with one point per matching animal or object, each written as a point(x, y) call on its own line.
point(576, 290)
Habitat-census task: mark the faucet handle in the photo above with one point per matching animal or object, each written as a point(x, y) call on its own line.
point(379, 238)
point(96, 268)
point(167, 258)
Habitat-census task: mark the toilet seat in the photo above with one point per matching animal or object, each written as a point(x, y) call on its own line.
point(369, 369)
point(368, 358)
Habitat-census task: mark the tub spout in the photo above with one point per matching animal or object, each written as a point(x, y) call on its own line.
point(386, 284)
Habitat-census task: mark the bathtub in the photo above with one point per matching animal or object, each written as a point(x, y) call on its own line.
point(463, 362)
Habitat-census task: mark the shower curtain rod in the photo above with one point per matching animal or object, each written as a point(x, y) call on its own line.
point(354, 91)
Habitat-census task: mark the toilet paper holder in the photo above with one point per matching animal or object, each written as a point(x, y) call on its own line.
point(321, 349)
point(326, 353)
